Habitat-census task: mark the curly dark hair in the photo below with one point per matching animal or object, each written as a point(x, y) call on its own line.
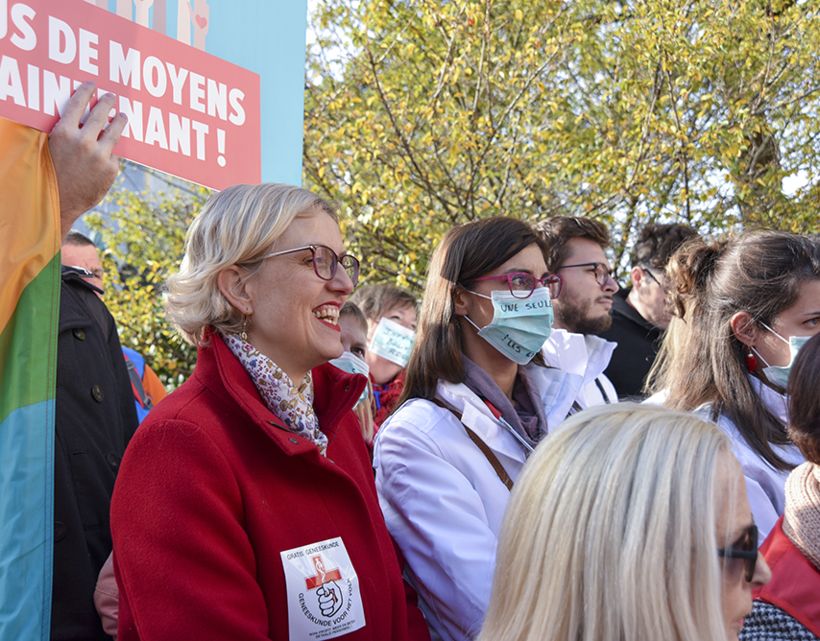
point(804, 405)
point(657, 243)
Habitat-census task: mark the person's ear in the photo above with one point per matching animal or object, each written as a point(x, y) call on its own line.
point(744, 328)
point(460, 306)
point(637, 276)
point(233, 283)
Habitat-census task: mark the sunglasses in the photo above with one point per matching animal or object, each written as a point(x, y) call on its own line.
point(744, 549)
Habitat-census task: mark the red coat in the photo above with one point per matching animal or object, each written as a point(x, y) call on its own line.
point(213, 487)
point(795, 583)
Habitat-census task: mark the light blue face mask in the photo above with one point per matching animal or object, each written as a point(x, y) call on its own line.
point(393, 342)
point(352, 364)
point(520, 326)
point(777, 374)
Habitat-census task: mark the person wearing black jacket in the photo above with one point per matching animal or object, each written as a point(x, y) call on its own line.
point(95, 419)
point(638, 342)
point(639, 314)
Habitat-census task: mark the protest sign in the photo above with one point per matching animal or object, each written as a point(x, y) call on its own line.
point(190, 113)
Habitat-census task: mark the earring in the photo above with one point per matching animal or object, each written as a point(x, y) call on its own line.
point(243, 334)
point(751, 362)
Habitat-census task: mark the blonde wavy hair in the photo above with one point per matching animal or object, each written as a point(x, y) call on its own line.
point(610, 533)
point(237, 226)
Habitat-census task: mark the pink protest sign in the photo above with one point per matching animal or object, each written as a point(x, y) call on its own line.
point(190, 114)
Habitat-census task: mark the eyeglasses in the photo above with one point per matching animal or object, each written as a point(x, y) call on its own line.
point(744, 549)
point(652, 276)
point(601, 271)
point(522, 285)
point(325, 261)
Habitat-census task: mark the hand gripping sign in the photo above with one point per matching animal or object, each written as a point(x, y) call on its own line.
point(324, 601)
point(189, 113)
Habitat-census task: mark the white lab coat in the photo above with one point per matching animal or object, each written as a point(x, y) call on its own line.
point(443, 501)
point(765, 486)
point(587, 356)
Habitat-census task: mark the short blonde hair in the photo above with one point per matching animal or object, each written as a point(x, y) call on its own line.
point(237, 226)
point(610, 532)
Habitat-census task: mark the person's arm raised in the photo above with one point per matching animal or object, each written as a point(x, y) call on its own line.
point(83, 154)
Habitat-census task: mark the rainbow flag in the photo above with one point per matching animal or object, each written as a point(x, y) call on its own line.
point(29, 316)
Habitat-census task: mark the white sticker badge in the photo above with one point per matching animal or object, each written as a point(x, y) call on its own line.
point(324, 601)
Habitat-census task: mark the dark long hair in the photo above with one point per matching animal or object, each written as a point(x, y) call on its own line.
point(804, 400)
point(465, 253)
point(701, 361)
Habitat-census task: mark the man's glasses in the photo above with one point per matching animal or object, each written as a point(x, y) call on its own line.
point(325, 261)
point(522, 285)
point(601, 271)
point(652, 276)
point(744, 549)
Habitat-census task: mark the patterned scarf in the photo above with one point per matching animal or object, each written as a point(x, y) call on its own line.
point(292, 405)
point(802, 519)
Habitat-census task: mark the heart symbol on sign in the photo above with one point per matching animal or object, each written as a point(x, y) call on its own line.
point(201, 21)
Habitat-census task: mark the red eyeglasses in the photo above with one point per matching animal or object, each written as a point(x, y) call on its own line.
point(522, 285)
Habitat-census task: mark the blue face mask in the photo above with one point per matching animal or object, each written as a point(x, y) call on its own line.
point(392, 341)
point(520, 326)
point(777, 374)
point(352, 364)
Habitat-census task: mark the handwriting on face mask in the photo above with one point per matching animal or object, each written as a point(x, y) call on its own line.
point(525, 305)
point(515, 346)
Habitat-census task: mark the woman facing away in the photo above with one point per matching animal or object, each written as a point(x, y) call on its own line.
point(789, 606)
point(629, 522)
point(743, 307)
point(245, 506)
point(476, 401)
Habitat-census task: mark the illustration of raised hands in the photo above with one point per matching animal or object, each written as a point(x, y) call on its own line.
point(124, 9)
point(184, 21)
point(200, 16)
point(143, 7)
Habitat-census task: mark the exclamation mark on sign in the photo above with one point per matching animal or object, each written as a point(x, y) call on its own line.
point(220, 144)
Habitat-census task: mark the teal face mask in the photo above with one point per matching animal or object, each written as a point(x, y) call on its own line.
point(520, 326)
point(393, 342)
point(779, 375)
point(352, 364)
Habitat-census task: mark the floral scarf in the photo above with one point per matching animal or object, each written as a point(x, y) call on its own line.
point(292, 405)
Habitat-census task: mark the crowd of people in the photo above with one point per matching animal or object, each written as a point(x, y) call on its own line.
point(528, 452)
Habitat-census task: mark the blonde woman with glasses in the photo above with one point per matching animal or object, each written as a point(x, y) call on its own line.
point(245, 506)
point(628, 522)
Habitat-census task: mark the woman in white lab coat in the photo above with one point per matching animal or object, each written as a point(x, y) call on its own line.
point(742, 309)
point(477, 399)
